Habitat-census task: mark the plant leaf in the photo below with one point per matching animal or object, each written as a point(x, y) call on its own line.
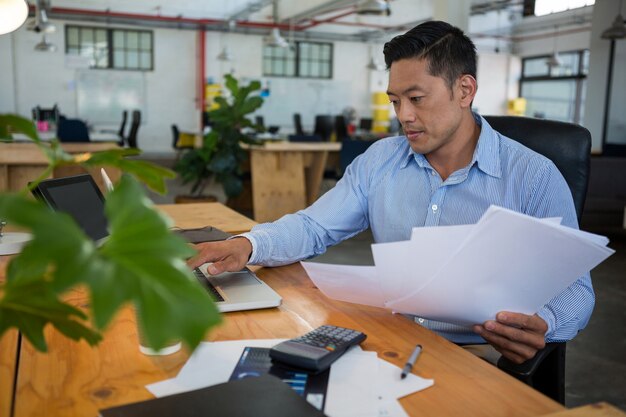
point(150, 271)
point(19, 124)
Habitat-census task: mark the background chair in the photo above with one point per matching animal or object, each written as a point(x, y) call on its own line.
point(341, 129)
point(135, 121)
point(120, 131)
point(569, 147)
point(350, 149)
point(297, 123)
point(324, 126)
point(72, 130)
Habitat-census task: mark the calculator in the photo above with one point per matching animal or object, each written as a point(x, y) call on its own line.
point(318, 349)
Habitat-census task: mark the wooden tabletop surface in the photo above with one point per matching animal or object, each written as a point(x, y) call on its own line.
point(74, 379)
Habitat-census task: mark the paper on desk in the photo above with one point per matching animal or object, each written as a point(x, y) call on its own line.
point(362, 385)
point(511, 262)
point(211, 363)
point(354, 284)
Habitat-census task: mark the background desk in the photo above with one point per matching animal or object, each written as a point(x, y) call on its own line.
point(21, 162)
point(286, 177)
point(73, 379)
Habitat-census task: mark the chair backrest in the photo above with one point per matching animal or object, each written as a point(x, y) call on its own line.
point(120, 132)
point(175, 136)
point(72, 130)
point(297, 123)
point(324, 126)
point(304, 138)
point(341, 128)
point(569, 147)
point(135, 121)
point(365, 124)
point(350, 149)
point(566, 144)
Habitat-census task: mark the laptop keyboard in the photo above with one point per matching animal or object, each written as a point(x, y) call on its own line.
point(202, 279)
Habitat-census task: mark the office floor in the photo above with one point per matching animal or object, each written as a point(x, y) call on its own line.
point(596, 358)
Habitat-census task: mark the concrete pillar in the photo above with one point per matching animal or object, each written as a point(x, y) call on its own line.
point(604, 13)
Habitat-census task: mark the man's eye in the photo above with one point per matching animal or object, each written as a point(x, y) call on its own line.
point(416, 99)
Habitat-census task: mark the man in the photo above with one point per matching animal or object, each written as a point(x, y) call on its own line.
point(447, 169)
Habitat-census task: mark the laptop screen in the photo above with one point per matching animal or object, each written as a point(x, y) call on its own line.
point(80, 197)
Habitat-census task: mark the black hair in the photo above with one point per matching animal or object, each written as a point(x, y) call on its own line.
point(447, 50)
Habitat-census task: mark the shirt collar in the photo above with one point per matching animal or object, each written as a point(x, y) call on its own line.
point(486, 155)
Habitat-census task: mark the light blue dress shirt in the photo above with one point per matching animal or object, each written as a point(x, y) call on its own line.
point(392, 189)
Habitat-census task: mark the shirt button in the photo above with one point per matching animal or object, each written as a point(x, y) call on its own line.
point(433, 173)
point(420, 320)
point(434, 207)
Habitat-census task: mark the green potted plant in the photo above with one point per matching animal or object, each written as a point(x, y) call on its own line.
point(220, 157)
point(142, 261)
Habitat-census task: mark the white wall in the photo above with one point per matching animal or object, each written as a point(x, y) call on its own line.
point(43, 78)
point(497, 76)
point(7, 90)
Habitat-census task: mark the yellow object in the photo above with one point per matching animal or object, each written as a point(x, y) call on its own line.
point(516, 106)
point(186, 140)
point(211, 91)
point(380, 112)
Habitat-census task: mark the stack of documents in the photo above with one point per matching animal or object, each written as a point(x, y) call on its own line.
point(466, 274)
point(360, 384)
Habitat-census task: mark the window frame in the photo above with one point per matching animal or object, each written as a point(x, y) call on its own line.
point(579, 77)
point(299, 61)
point(110, 46)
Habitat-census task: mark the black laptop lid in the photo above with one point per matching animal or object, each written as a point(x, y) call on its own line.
point(80, 197)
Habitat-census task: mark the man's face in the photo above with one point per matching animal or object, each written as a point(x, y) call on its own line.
point(430, 113)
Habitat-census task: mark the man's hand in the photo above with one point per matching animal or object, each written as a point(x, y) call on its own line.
point(516, 336)
point(227, 255)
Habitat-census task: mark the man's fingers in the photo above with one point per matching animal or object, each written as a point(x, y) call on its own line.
point(502, 344)
point(512, 356)
point(526, 337)
point(523, 321)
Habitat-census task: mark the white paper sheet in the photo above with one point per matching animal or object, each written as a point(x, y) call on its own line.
point(210, 364)
point(509, 262)
point(354, 284)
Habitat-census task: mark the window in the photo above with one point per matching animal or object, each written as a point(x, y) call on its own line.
point(556, 93)
point(111, 48)
point(306, 60)
point(544, 7)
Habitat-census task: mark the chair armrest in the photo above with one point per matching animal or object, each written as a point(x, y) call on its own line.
point(528, 368)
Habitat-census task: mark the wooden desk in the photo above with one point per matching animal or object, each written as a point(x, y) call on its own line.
point(21, 162)
point(286, 176)
point(73, 379)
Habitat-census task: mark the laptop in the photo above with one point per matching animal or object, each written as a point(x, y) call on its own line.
point(80, 197)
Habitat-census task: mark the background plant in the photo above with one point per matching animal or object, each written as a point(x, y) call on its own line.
point(141, 262)
point(221, 154)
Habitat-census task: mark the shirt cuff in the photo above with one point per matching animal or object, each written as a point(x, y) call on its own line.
point(253, 255)
point(548, 316)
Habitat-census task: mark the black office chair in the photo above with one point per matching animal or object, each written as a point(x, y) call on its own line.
point(72, 130)
point(350, 149)
point(260, 124)
point(120, 131)
point(365, 124)
point(324, 126)
point(341, 129)
point(135, 121)
point(297, 123)
point(569, 147)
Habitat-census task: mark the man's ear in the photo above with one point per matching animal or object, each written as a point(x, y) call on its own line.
point(467, 86)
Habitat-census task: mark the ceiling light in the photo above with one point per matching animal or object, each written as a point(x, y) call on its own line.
point(617, 29)
point(374, 65)
point(45, 46)
point(13, 13)
point(275, 39)
point(554, 60)
point(375, 7)
point(225, 55)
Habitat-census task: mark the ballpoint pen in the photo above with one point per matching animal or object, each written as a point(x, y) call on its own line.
point(411, 361)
